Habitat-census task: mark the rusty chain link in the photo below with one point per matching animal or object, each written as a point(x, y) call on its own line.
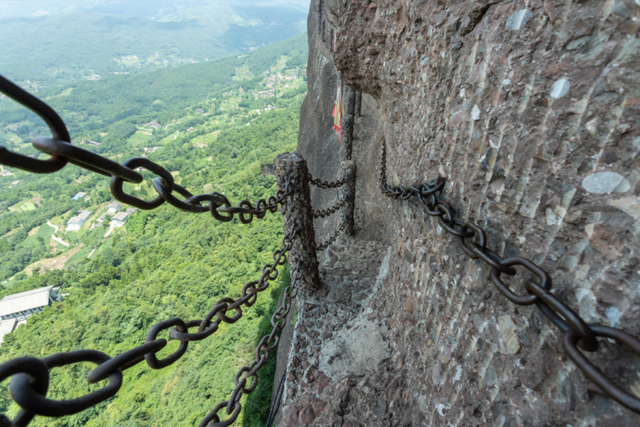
point(331, 238)
point(324, 184)
point(63, 152)
point(472, 239)
point(322, 213)
point(30, 376)
point(267, 344)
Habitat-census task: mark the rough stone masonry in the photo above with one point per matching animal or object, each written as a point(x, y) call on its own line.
point(531, 111)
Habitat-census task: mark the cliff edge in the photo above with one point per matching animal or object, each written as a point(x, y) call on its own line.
point(531, 111)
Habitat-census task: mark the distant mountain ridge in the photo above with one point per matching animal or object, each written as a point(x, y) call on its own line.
point(117, 97)
point(95, 40)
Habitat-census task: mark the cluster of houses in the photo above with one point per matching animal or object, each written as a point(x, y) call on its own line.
point(270, 82)
point(16, 309)
point(118, 218)
point(263, 94)
point(6, 172)
point(274, 78)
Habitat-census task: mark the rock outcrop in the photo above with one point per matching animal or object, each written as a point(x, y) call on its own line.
point(531, 111)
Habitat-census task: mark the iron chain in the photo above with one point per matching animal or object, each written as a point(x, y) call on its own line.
point(577, 333)
point(263, 351)
point(323, 213)
point(63, 152)
point(30, 376)
point(324, 184)
point(331, 238)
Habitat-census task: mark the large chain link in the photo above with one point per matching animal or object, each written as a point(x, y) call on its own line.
point(264, 349)
point(30, 376)
point(472, 239)
point(63, 152)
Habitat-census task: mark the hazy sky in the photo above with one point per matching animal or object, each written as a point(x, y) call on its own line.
point(139, 8)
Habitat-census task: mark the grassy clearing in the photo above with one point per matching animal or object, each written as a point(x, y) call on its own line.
point(57, 263)
point(65, 92)
point(79, 255)
point(24, 206)
point(139, 137)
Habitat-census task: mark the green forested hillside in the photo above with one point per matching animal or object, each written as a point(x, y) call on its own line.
point(213, 135)
point(71, 41)
point(159, 94)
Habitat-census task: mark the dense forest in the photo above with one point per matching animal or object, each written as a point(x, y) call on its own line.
point(214, 126)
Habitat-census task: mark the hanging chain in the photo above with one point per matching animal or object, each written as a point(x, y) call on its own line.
point(472, 239)
point(30, 376)
point(324, 184)
point(63, 152)
point(264, 349)
point(331, 238)
point(322, 213)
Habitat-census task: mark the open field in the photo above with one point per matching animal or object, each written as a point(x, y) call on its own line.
point(57, 263)
point(24, 206)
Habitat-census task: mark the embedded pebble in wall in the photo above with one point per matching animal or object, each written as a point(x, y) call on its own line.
point(623, 187)
point(506, 82)
point(552, 219)
point(602, 182)
point(518, 19)
point(475, 112)
point(509, 343)
point(630, 205)
point(560, 88)
point(613, 314)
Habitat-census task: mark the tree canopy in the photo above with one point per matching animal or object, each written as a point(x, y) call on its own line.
point(213, 131)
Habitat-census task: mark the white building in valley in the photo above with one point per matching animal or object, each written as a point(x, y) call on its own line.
point(16, 309)
point(76, 222)
point(113, 208)
point(119, 219)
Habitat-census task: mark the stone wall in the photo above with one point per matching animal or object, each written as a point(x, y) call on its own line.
point(531, 110)
point(320, 145)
